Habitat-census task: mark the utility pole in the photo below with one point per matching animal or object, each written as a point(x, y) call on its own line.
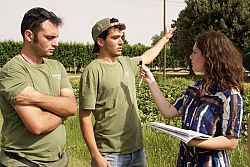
point(164, 30)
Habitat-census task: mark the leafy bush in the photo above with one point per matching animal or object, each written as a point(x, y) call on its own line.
point(78, 55)
point(172, 87)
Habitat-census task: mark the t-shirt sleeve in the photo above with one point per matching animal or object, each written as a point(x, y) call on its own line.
point(88, 90)
point(65, 83)
point(133, 62)
point(232, 115)
point(13, 80)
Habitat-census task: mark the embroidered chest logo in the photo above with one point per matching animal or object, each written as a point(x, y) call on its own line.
point(58, 76)
point(126, 73)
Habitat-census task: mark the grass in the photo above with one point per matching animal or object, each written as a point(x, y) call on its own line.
point(161, 149)
point(76, 148)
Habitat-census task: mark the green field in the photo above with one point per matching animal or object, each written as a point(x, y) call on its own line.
point(161, 149)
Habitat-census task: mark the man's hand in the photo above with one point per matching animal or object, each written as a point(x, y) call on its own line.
point(153, 52)
point(101, 162)
point(27, 96)
point(169, 32)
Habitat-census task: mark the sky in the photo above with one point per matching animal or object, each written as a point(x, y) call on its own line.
point(143, 18)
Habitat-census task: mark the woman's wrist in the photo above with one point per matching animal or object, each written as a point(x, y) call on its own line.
point(151, 81)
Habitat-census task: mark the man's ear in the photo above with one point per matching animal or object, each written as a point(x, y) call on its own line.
point(100, 42)
point(28, 35)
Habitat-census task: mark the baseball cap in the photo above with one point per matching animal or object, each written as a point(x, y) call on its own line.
point(103, 25)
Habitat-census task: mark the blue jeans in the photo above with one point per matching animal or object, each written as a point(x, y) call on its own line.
point(134, 159)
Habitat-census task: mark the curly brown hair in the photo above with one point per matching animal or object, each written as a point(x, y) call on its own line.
point(223, 62)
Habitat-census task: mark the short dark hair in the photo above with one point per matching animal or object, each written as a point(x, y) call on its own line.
point(35, 16)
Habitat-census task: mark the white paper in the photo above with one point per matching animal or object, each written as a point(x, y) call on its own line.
point(181, 134)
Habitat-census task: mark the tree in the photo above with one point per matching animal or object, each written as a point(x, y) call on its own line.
point(156, 38)
point(246, 61)
point(231, 17)
point(124, 39)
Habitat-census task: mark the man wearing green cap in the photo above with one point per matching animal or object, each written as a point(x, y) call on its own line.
point(107, 89)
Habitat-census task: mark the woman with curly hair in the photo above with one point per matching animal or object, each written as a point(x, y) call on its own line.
point(212, 105)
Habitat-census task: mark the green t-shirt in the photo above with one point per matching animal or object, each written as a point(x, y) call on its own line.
point(49, 78)
point(109, 90)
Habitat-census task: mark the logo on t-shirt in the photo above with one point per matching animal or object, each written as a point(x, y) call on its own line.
point(126, 73)
point(58, 76)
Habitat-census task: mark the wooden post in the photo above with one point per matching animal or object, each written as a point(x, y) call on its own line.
point(164, 29)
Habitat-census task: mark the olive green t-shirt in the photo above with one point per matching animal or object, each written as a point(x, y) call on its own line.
point(109, 90)
point(49, 78)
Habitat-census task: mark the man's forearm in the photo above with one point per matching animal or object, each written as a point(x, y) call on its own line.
point(63, 105)
point(152, 53)
point(36, 120)
point(60, 105)
point(88, 133)
point(52, 121)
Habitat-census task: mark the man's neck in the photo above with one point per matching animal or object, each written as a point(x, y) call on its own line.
point(106, 59)
point(30, 58)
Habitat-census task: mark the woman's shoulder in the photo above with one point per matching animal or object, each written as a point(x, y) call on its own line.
point(195, 85)
point(226, 93)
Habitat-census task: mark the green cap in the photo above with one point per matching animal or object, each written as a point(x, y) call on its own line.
point(103, 25)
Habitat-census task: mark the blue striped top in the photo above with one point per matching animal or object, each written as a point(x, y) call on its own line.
point(216, 113)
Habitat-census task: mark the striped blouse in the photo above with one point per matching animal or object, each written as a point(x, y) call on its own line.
point(216, 113)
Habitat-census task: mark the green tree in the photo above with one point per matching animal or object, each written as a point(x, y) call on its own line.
point(124, 39)
point(156, 38)
point(171, 60)
point(246, 61)
point(231, 17)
